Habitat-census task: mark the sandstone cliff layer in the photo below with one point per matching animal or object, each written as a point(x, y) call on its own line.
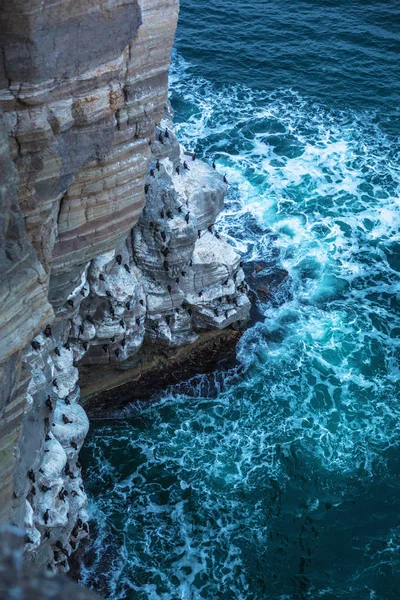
point(107, 240)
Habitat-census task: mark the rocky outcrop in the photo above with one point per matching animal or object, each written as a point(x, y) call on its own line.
point(109, 242)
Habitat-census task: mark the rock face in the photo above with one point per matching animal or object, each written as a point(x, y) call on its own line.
point(107, 238)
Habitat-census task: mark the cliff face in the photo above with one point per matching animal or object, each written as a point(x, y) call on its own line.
point(107, 239)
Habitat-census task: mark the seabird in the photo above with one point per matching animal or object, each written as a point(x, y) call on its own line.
point(80, 523)
point(33, 491)
point(46, 534)
point(162, 214)
point(160, 138)
point(193, 156)
point(127, 269)
point(67, 401)
point(226, 313)
point(191, 263)
point(61, 497)
point(214, 166)
point(200, 294)
point(118, 258)
point(168, 319)
point(47, 331)
point(47, 438)
point(210, 228)
point(183, 273)
point(163, 236)
point(199, 233)
point(146, 188)
point(49, 404)
point(46, 516)
point(225, 179)
point(185, 165)
point(71, 303)
point(152, 172)
point(65, 419)
point(187, 217)
point(81, 328)
point(101, 277)
point(165, 265)
point(158, 165)
point(44, 488)
point(180, 209)
point(123, 343)
point(137, 321)
point(128, 306)
point(166, 133)
point(141, 302)
point(73, 494)
point(55, 383)
point(67, 346)
point(169, 214)
point(108, 293)
point(122, 324)
point(35, 345)
point(169, 288)
point(178, 169)
point(177, 280)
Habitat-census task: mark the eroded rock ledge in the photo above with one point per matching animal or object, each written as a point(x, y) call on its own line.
point(109, 249)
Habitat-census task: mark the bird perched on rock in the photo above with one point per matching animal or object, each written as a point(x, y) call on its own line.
point(123, 343)
point(191, 263)
point(46, 516)
point(101, 277)
point(67, 401)
point(137, 321)
point(168, 319)
point(180, 209)
point(146, 188)
point(199, 233)
point(169, 288)
point(122, 323)
point(57, 351)
point(118, 258)
point(177, 280)
point(74, 445)
point(165, 265)
point(225, 179)
point(163, 236)
point(47, 438)
point(81, 328)
point(128, 306)
point(35, 345)
point(109, 294)
point(47, 331)
point(162, 214)
point(160, 138)
point(71, 303)
point(152, 173)
point(166, 133)
point(49, 403)
point(187, 217)
point(226, 282)
point(227, 313)
point(183, 273)
point(141, 302)
point(214, 166)
point(165, 251)
point(178, 169)
point(210, 228)
point(55, 383)
point(127, 269)
point(65, 419)
point(169, 214)
point(158, 165)
point(185, 165)
point(61, 497)
point(200, 294)
point(193, 156)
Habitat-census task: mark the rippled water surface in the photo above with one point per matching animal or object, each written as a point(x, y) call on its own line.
point(280, 478)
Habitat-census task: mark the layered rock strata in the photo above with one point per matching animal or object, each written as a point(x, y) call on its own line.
point(111, 247)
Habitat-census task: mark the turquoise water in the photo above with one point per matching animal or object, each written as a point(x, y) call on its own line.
point(279, 479)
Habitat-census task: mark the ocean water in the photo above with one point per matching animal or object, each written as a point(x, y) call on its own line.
point(278, 479)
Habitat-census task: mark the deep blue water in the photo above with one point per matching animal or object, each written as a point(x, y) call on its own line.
point(278, 480)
